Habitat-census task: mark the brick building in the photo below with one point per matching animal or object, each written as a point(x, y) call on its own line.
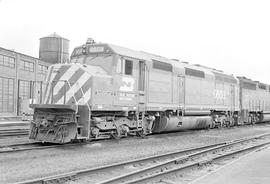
point(17, 70)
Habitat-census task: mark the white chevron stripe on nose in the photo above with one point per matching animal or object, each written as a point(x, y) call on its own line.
point(47, 76)
point(75, 88)
point(68, 74)
point(84, 99)
point(49, 85)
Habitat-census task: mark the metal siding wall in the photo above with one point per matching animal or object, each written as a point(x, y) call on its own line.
point(219, 93)
point(193, 93)
point(176, 90)
point(160, 86)
point(207, 88)
point(254, 100)
point(228, 100)
point(267, 108)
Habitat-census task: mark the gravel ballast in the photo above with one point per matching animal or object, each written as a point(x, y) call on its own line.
point(20, 166)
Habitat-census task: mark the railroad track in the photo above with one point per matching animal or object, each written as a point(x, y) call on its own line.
point(38, 145)
point(25, 147)
point(15, 124)
point(155, 167)
point(13, 132)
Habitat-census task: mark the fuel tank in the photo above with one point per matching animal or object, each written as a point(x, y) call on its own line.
point(174, 124)
point(265, 117)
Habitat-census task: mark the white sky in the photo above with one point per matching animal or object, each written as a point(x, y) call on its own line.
point(231, 35)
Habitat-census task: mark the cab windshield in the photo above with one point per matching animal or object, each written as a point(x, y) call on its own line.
point(104, 61)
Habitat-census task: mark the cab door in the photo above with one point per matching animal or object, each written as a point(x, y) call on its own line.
point(125, 85)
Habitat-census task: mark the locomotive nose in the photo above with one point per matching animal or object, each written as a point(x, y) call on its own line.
point(68, 84)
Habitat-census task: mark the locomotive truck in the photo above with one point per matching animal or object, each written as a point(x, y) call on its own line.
point(108, 91)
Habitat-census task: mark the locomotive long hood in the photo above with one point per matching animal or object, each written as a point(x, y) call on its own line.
point(70, 83)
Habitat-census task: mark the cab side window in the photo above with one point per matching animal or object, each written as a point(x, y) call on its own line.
point(128, 67)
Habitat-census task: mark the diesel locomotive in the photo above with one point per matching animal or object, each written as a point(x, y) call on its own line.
point(108, 91)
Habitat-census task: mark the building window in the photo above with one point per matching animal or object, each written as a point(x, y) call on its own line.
point(6, 95)
point(27, 66)
point(42, 69)
point(7, 61)
point(24, 89)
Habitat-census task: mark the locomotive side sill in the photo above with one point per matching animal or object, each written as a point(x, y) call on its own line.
point(82, 137)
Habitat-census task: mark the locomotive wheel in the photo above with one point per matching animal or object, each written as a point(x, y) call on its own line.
point(115, 135)
point(140, 134)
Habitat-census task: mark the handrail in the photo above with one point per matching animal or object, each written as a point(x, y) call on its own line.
point(83, 96)
point(89, 118)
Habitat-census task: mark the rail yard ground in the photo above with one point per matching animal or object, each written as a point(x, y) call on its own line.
point(233, 173)
point(31, 164)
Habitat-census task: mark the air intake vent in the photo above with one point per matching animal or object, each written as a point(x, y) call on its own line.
point(247, 85)
point(262, 86)
point(194, 73)
point(162, 66)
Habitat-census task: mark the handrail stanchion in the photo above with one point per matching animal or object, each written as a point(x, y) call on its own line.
point(40, 92)
point(52, 92)
point(65, 91)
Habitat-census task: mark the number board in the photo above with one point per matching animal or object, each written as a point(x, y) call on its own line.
point(96, 49)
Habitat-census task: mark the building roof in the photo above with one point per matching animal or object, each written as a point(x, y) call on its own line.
point(25, 56)
point(13, 51)
point(54, 35)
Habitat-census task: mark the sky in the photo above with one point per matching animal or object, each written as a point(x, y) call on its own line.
point(229, 35)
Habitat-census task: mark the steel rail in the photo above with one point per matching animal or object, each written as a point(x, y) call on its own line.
point(14, 147)
point(114, 165)
point(84, 172)
point(177, 160)
point(34, 146)
point(14, 132)
point(30, 146)
point(196, 164)
point(39, 145)
point(14, 124)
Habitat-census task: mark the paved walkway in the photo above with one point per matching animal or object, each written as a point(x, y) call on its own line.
point(250, 169)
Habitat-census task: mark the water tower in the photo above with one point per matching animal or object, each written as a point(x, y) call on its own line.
point(54, 49)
